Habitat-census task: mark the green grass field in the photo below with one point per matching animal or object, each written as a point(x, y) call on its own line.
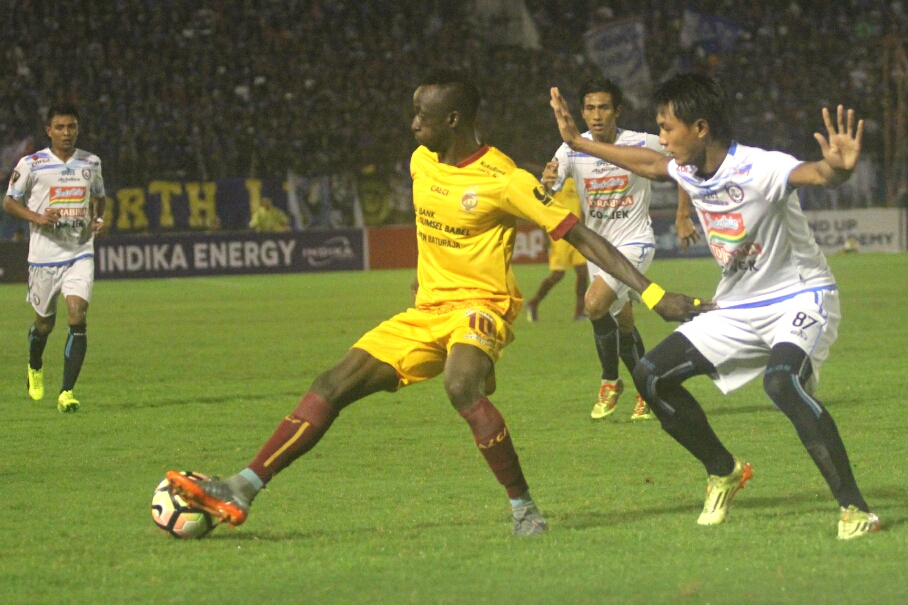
point(396, 505)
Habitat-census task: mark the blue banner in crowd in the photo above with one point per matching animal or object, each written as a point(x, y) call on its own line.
point(197, 254)
point(618, 49)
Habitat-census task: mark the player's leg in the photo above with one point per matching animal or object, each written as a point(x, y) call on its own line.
point(466, 372)
point(786, 375)
point(37, 341)
point(76, 286)
point(599, 298)
point(581, 284)
point(547, 284)
point(73, 352)
point(801, 342)
point(659, 377)
point(631, 350)
point(43, 292)
point(355, 376)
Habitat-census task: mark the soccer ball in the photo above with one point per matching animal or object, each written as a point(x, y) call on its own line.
point(172, 515)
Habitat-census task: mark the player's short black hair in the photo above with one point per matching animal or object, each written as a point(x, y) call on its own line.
point(462, 94)
point(693, 97)
point(61, 109)
point(602, 85)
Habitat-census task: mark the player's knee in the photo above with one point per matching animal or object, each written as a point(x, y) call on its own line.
point(45, 325)
point(556, 277)
point(462, 390)
point(779, 385)
point(645, 379)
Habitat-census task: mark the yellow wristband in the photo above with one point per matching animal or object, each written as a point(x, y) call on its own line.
point(652, 295)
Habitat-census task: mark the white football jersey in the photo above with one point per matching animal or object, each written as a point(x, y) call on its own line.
point(615, 201)
point(755, 228)
point(41, 181)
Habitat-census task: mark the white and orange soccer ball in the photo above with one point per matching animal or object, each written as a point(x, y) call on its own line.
point(172, 515)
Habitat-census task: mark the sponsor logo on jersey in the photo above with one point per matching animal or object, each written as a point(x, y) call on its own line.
point(734, 192)
point(469, 200)
point(495, 170)
point(607, 185)
point(67, 195)
point(745, 169)
point(438, 189)
point(72, 212)
point(725, 227)
point(540, 194)
point(37, 159)
point(610, 202)
point(68, 171)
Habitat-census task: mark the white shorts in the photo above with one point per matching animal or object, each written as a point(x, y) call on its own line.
point(641, 256)
point(45, 284)
point(737, 341)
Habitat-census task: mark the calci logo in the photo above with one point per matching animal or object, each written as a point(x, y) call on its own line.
point(540, 194)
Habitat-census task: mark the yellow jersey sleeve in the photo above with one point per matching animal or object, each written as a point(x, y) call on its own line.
point(525, 197)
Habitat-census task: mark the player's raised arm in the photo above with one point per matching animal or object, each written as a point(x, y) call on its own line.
point(840, 152)
point(672, 307)
point(639, 160)
point(687, 230)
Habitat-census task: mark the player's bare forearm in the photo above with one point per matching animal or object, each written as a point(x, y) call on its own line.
point(99, 205)
point(670, 306)
point(14, 208)
point(597, 249)
point(641, 161)
point(684, 224)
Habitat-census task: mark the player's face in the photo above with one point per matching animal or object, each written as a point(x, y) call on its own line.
point(431, 124)
point(601, 115)
point(63, 132)
point(685, 142)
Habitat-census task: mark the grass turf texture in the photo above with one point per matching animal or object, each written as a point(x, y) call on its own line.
point(395, 505)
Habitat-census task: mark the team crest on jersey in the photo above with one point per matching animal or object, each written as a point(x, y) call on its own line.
point(67, 195)
point(540, 194)
point(86, 174)
point(734, 192)
point(469, 200)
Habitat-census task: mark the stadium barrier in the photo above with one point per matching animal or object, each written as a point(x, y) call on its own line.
point(394, 247)
point(860, 229)
point(229, 253)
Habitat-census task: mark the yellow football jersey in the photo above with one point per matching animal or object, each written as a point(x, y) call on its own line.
point(465, 226)
point(569, 198)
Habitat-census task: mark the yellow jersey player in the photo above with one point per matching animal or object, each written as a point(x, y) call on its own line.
point(468, 197)
point(563, 256)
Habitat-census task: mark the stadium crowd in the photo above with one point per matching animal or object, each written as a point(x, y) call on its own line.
point(212, 89)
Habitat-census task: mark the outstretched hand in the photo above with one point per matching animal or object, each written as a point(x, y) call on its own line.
point(687, 232)
point(677, 307)
point(842, 149)
point(566, 125)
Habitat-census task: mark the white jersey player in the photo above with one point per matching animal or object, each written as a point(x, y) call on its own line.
point(60, 190)
point(615, 204)
point(778, 309)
